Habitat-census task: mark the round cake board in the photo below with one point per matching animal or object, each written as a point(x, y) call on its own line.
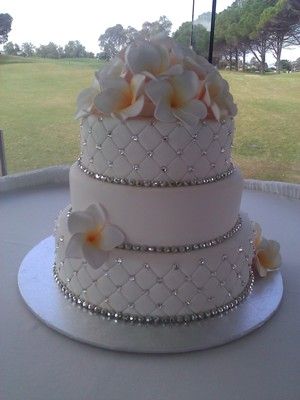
point(44, 298)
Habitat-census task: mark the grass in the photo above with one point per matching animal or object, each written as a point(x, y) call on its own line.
point(38, 96)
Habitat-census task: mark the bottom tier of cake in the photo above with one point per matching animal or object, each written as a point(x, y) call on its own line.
point(157, 284)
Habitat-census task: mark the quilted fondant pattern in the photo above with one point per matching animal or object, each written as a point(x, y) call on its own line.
point(146, 149)
point(161, 285)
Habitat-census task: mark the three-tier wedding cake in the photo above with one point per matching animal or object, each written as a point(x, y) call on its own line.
point(154, 232)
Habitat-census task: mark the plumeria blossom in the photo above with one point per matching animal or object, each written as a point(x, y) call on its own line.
point(112, 70)
point(161, 78)
point(215, 94)
point(175, 98)
point(92, 236)
point(257, 234)
point(85, 101)
point(151, 59)
point(267, 253)
point(120, 98)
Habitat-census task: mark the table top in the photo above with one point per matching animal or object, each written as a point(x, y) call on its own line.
point(38, 363)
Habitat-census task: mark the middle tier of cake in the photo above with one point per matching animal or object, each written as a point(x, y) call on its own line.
point(172, 216)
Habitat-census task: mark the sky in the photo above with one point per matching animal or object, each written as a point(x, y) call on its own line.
point(59, 21)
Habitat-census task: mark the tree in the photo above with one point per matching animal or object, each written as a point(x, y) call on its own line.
point(113, 40)
point(5, 27)
point(255, 65)
point(50, 50)
point(28, 49)
point(296, 65)
point(253, 26)
point(131, 34)
point(163, 25)
point(285, 65)
point(11, 49)
point(74, 49)
point(201, 37)
point(282, 21)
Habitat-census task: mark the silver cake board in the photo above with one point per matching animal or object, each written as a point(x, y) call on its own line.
point(44, 298)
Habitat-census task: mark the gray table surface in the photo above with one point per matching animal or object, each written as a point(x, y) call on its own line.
point(39, 363)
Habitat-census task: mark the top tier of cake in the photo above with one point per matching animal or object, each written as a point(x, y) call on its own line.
point(148, 150)
point(158, 113)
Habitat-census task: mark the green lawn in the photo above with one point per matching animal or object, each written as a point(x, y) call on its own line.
point(37, 100)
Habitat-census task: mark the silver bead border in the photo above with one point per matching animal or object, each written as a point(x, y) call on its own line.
point(154, 320)
point(154, 183)
point(184, 248)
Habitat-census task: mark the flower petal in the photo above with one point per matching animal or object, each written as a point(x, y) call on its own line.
point(216, 111)
point(136, 85)
point(257, 234)
point(85, 101)
point(186, 85)
point(74, 246)
point(158, 89)
point(113, 69)
point(97, 213)
point(192, 65)
point(187, 118)
point(163, 111)
point(112, 100)
point(195, 107)
point(260, 269)
point(94, 256)
point(133, 110)
point(112, 237)
point(176, 69)
point(79, 222)
point(145, 57)
point(116, 83)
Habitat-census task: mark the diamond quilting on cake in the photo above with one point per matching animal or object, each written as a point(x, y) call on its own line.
point(115, 148)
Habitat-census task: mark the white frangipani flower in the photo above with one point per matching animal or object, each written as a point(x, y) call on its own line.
point(215, 94)
point(85, 100)
point(92, 236)
point(176, 98)
point(267, 253)
point(120, 98)
point(267, 256)
point(112, 70)
point(150, 59)
point(127, 86)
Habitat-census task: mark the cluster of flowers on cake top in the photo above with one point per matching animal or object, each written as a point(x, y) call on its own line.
point(267, 256)
point(92, 235)
point(158, 78)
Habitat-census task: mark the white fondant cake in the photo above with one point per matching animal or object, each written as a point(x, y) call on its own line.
point(154, 229)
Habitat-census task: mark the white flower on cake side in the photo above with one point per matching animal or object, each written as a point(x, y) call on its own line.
point(267, 253)
point(92, 236)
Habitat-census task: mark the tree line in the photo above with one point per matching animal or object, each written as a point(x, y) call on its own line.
point(247, 27)
point(73, 49)
point(256, 27)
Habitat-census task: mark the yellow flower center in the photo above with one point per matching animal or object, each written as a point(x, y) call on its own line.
point(126, 100)
point(264, 259)
point(93, 237)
